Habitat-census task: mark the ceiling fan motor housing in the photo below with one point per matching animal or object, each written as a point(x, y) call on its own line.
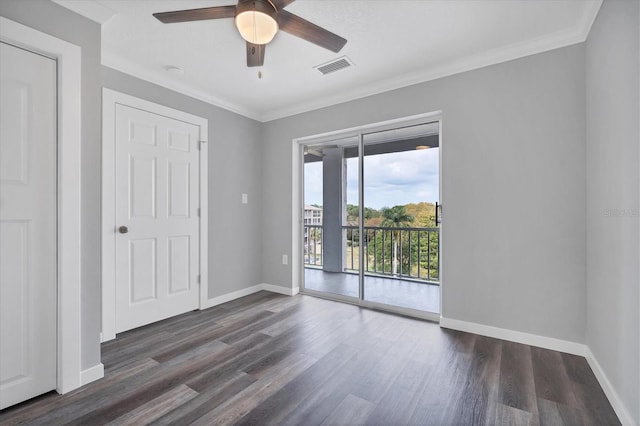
point(249, 12)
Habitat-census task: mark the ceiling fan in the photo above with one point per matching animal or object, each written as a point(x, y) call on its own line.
point(258, 21)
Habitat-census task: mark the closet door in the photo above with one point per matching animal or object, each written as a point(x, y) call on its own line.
point(28, 225)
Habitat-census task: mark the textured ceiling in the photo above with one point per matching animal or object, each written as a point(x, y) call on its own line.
point(392, 44)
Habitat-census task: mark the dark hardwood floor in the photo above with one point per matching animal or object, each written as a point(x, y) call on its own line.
point(272, 359)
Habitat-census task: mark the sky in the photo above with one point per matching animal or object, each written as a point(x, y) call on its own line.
point(389, 179)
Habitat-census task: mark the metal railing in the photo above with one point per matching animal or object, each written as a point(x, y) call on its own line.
point(407, 253)
point(313, 245)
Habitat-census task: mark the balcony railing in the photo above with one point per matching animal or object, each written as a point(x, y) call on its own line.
point(407, 253)
point(313, 245)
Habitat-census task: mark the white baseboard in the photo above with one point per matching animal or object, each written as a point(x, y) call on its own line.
point(106, 336)
point(280, 290)
point(515, 336)
point(91, 374)
point(618, 406)
point(548, 343)
point(230, 296)
point(247, 291)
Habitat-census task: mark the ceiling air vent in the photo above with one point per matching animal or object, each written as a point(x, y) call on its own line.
point(335, 65)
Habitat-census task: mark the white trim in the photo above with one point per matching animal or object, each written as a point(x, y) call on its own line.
point(68, 57)
point(551, 343)
point(204, 212)
point(618, 406)
point(381, 126)
point(568, 37)
point(92, 374)
point(515, 336)
point(108, 245)
point(161, 78)
point(483, 59)
point(280, 290)
point(589, 18)
point(93, 10)
point(110, 99)
point(219, 300)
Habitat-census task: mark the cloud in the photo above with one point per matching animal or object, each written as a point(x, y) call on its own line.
point(399, 178)
point(389, 179)
point(313, 183)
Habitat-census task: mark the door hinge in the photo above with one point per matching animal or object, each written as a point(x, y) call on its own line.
point(198, 279)
point(198, 211)
point(200, 143)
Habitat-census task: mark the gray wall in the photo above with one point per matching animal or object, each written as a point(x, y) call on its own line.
point(514, 186)
point(235, 167)
point(234, 158)
point(59, 22)
point(513, 169)
point(612, 75)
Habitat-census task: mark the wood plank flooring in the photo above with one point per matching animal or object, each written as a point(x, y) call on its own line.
point(271, 359)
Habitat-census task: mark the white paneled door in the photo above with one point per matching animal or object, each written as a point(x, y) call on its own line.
point(157, 224)
point(28, 225)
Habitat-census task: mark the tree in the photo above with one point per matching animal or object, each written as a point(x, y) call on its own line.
point(423, 214)
point(395, 217)
point(353, 214)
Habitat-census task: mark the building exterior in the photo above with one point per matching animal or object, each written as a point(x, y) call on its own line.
point(313, 229)
point(312, 215)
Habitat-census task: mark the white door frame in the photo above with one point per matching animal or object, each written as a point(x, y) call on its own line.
point(297, 204)
point(111, 98)
point(68, 57)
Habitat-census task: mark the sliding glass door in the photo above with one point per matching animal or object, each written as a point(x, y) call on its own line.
point(330, 205)
point(401, 239)
point(371, 218)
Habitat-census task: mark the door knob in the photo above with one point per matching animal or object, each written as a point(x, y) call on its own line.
point(123, 229)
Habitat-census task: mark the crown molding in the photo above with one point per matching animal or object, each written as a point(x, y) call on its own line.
point(157, 77)
point(557, 40)
point(491, 57)
point(589, 17)
point(93, 10)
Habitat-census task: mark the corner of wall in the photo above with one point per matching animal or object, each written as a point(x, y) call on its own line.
point(624, 415)
point(91, 374)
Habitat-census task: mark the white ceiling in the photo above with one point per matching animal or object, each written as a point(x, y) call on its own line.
point(392, 44)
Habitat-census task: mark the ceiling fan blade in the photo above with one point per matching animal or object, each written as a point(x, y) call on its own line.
point(196, 14)
point(281, 4)
point(255, 54)
point(306, 30)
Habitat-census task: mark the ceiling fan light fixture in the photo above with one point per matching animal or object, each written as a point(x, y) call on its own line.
point(257, 21)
